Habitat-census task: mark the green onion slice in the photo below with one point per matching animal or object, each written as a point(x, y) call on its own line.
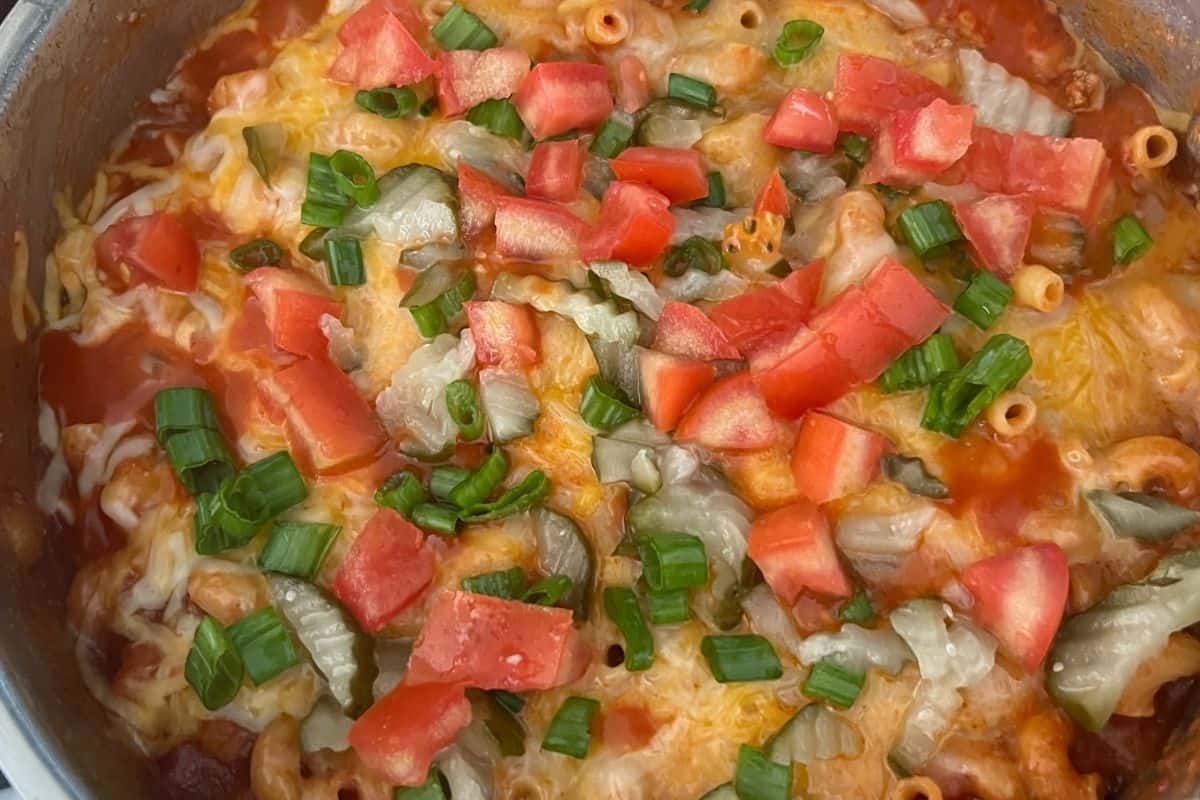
point(621, 605)
point(264, 147)
point(463, 404)
point(437, 518)
point(209, 537)
point(690, 90)
point(355, 178)
point(402, 492)
point(252, 255)
point(570, 732)
point(508, 584)
point(344, 260)
point(741, 658)
point(264, 645)
point(532, 489)
point(716, 191)
point(833, 684)
point(856, 147)
point(443, 480)
point(1129, 240)
point(499, 117)
point(955, 401)
point(325, 204)
point(984, 299)
point(183, 408)
point(695, 252)
point(213, 667)
point(313, 244)
point(668, 608)
point(459, 29)
point(273, 484)
point(929, 227)
point(548, 591)
point(673, 561)
point(796, 41)
point(199, 459)
point(696, 6)
point(921, 365)
point(857, 609)
point(614, 136)
point(437, 296)
point(297, 548)
point(388, 102)
point(604, 406)
point(479, 484)
point(757, 777)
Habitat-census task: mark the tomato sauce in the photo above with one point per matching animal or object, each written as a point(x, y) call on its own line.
point(627, 728)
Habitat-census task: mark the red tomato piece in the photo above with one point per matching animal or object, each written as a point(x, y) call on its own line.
point(506, 335)
point(478, 195)
point(832, 458)
point(773, 197)
point(860, 335)
point(633, 87)
point(669, 385)
point(676, 172)
point(362, 23)
point(535, 230)
point(684, 331)
point(468, 77)
point(385, 570)
point(810, 375)
point(730, 415)
point(555, 171)
point(399, 735)
point(998, 229)
point(868, 90)
point(559, 96)
point(755, 318)
point(986, 161)
point(293, 303)
point(635, 225)
point(1061, 174)
point(492, 643)
point(157, 246)
point(918, 145)
point(794, 549)
point(803, 121)
point(378, 50)
point(904, 302)
point(1019, 598)
point(326, 414)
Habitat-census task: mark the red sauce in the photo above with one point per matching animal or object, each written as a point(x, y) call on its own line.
point(1001, 483)
point(627, 728)
point(1125, 110)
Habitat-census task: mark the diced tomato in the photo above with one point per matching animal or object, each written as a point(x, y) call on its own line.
point(986, 161)
point(773, 197)
point(560, 96)
point(1019, 598)
point(157, 246)
point(555, 171)
point(860, 335)
point(918, 145)
point(904, 302)
point(361, 24)
point(730, 415)
point(326, 413)
point(867, 90)
point(633, 87)
point(385, 570)
point(506, 335)
point(635, 225)
point(803, 121)
point(492, 643)
point(1061, 174)
point(399, 735)
point(676, 172)
point(810, 375)
point(378, 50)
point(669, 385)
point(833, 458)
point(468, 77)
point(478, 194)
point(794, 549)
point(998, 229)
point(535, 230)
point(754, 318)
point(684, 331)
point(294, 303)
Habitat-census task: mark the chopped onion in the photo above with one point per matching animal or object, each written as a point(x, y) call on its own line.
point(1006, 102)
point(562, 550)
point(435, 253)
point(619, 365)
point(707, 223)
point(695, 285)
point(414, 405)
point(816, 733)
point(678, 464)
point(461, 141)
point(922, 626)
point(509, 405)
point(417, 206)
point(876, 545)
point(905, 13)
point(591, 314)
point(343, 350)
point(639, 431)
point(929, 714)
point(768, 618)
point(858, 649)
point(633, 286)
point(391, 656)
point(811, 176)
point(644, 473)
point(613, 459)
point(325, 728)
point(467, 765)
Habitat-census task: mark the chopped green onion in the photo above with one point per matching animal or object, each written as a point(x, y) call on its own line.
point(508, 584)
point(264, 645)
point(213, 667)
point(796, 41)
point(673, 561)
point(513, 702)
point(183, 408)
point(344, 260)
point(437, 296)
point(434, 788)
point(836, 686)
point(690, 90)
point(264, 147)
point(614, 136)
point(388, 102)
point(1129, 240)
point(604, 406)
point(209, 537)
point(532, 489)
point(570, 732)
point(740, 658)
point(757, 777)
point(402, 492)
point(929, 227)
point(695, 252)
point(428, 107)
point(436, 518)
point(921, 365)
point(225, 520)
point(716, 192)
point(955, 401)
point(199, 459)
point(668, 608)
point(621, 605)
point(463, 405)
point(297, 548)
point(857, 148)
point(984, 299)
point(273, 483)
point(857, 609)
point(480, 483)
point(548, 591)
point(313, 244)
point(696, 6)
point(459, 29)
point(355, 178)
point(252, 255)
point(443, 480)
point(325, 204)
point(499, 117)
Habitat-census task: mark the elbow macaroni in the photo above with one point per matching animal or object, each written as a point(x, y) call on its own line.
point(1037, 287)
point(605, 25)
point(1151, 148)
point(1011, 414)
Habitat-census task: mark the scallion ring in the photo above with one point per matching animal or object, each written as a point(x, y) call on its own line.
point(695, 252)
point(264, 644)
point(213, 667)
point(570, 731)
point(603, 406)
point(252, 255)
point(389, 102)
point(344, 260)
point(479, 485)
point(459, 29)
point(692, 91)
point(355, 177)
point(621, 605)
point(297, 548)
point(463, 405)
point(796, 41)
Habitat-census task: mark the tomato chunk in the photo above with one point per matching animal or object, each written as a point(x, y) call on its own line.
point(399, 735)
point(986, 161)
point(676, 172)
point(157, 246)
point(633, 87)
point(492, 643)
point(479, 193)
point(635, 225)
point(378, 50)
point(1061, 174)
point(794, 549)
point(833, 458)
point(867, 90)
point(506, 335)
point(669, 385)
point(555, 171)
point(535, 230)
point(754, 318)
point(1019, 598)
point(730, 415)
point(466, 78)
point(803, 121)
point(917, 146)
point(684, 331)
point(998, 229)
point(326, 414)
point(385, 570)
point(294, 303)
point(559, 96)
point(811, 374)
point(773, 197)
point(904, 302)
